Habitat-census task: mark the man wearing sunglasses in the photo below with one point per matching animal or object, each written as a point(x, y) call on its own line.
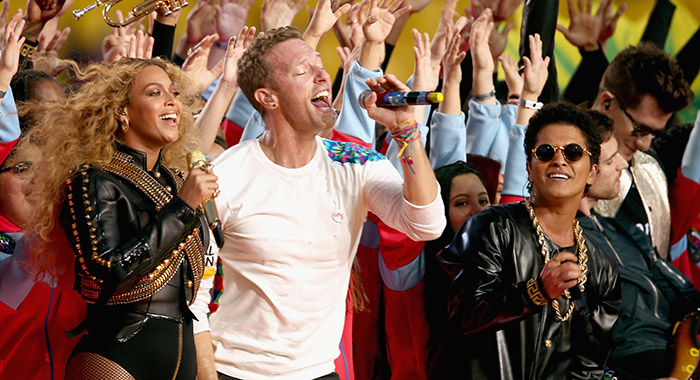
point(658, 293)
point(640, 91)
point(534, 298)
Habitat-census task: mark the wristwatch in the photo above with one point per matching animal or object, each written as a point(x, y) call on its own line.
point(531, 104)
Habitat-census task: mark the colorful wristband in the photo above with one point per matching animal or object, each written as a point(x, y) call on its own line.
point(404, 133)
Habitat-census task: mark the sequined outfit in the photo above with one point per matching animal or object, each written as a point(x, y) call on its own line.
point(139, 260)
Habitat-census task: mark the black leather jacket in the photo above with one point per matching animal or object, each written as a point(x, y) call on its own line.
point(507, 336)
point(130, 262)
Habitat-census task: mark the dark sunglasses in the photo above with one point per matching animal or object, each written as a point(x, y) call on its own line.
point(20, 168)
point(640, 130)
point(572, 152)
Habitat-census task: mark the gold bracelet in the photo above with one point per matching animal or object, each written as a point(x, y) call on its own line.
point(27, 49)
point(534, 292)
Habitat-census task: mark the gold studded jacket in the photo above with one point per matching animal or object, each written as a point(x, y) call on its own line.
point(131, 237)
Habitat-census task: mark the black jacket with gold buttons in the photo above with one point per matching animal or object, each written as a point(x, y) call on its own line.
point(138, 246)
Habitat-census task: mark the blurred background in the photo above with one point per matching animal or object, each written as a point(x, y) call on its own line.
point(86, 37)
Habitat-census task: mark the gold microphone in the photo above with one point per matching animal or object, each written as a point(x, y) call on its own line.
point(196, 160)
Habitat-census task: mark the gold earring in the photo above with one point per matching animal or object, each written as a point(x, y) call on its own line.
point(125, 125)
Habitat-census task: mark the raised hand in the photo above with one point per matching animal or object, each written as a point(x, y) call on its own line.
point(323, 19)
point(45, 56)
point(42, 11)
point(535, 74)
point(196, 63)
point(505, 9)
point(381, 18)
point(236, 47)
point(479, 42)
point(425, 77)
point(346, 32)
point(279, 13)
point(479, 6)
point(499, 40)
point(12, 40)
point(610, 17)
point(513, 79)
point(4, 12)
point(452, 75)
point(116, 45)
point(417, 5)
point(199, 22)
point(584, 26)
point(231, 16)
point(451, 61)
point(443, 31)
point(140, 46)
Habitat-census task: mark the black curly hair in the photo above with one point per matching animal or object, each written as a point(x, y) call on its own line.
point(564, 114)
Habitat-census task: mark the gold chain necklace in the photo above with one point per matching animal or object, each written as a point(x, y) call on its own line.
point(581, 250)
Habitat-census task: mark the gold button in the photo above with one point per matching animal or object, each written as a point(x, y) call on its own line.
point(157, 174)
point(188, 284)
point(548, 343)
point(168, 188)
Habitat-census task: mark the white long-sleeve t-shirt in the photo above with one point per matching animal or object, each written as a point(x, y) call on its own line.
point(290, 240)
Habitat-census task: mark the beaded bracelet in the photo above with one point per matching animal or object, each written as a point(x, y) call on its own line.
point(404, 133)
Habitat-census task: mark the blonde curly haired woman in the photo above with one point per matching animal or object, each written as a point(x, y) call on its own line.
point(111, 175)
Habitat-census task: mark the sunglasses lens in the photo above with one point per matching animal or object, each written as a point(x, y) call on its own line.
point(573, 152)
point(544, 152)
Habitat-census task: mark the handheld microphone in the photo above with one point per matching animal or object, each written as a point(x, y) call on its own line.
point(399, 99)
point(196, 160)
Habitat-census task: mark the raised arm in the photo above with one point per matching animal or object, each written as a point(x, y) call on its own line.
point(448, 131)
point(214, 111)
point(12, 40)
point(322, 21)
point(376, 29)
point(420, 186)
point(534, 80)
point(9, 62)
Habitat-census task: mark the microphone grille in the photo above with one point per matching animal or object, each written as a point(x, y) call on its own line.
point(195, 159)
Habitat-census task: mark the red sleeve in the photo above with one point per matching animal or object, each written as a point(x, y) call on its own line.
point(6, 148)
point(340, 136)
point(396, 248)
point(232, 132)
point(510, 199)
point(684, 198)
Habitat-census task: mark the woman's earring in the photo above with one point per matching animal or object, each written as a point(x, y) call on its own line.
point(125, 125)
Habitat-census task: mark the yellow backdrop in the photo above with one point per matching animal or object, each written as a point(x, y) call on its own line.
point(87, 34)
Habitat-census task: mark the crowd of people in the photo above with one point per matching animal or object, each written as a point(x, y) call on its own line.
point(218, 208)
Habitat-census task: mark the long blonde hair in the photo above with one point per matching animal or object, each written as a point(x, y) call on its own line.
point(84, 130)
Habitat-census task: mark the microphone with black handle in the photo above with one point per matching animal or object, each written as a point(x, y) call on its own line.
point(196, 160)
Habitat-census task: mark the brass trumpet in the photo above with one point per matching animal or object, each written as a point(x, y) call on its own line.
point(165, 7)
